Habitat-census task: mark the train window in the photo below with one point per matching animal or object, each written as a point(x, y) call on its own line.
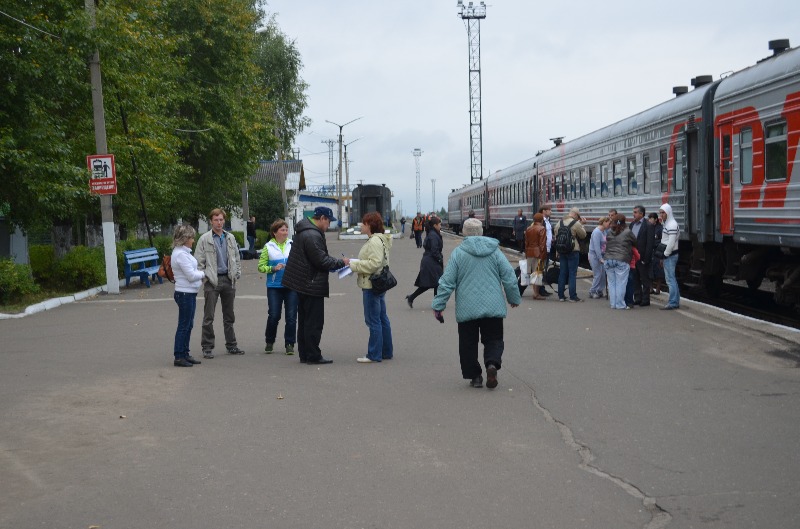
point(776, 152)
point(558, 187)
point(633, 185)
point(592, 184)
point(746, 156)
point(677, 167)
point(582, 177)
point(646, 173)
point(726, 159)
point(662, 171)
point(603, 180)
point(617, 178)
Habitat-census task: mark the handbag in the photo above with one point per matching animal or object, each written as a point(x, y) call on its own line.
point(658, 253)
point(383, 280)
point(537, 277)
point(524, 276)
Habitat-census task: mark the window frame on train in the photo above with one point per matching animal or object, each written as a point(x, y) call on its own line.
point(646, 173)
point(746, 156)
point(776, 151)
point(633, 184)
point(663, 170)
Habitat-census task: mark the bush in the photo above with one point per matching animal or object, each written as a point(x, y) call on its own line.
point(262, 238)
point(239, 236)
point(16, 281)
point(82, 268)
point(43, 264)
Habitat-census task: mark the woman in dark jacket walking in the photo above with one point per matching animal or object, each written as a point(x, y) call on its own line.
point(432, 265)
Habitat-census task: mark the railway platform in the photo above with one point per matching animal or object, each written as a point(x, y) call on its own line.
point(602, 418)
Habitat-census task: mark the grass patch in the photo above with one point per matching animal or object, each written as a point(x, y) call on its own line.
point(31, 299)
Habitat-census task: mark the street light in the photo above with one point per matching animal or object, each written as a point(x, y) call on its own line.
point(340, 163)
point(347, 179)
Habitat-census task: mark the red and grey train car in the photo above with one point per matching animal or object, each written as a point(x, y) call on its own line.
point(723, 155)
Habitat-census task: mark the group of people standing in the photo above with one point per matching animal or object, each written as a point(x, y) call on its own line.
point(632, 259)
point(629, 260)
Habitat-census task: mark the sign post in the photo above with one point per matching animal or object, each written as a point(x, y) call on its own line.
point(103, 179)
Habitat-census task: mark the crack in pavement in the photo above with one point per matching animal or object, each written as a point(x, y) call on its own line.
point(659, 518)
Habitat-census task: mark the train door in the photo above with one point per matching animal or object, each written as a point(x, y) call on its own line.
point(691, 172)
point(725, 187)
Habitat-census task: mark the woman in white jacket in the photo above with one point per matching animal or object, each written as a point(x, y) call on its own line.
point(188, 280)
point(669, 237)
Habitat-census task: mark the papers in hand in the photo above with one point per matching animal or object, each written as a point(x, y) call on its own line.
point(345, 271)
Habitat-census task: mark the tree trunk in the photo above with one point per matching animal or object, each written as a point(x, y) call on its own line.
point(62, 237)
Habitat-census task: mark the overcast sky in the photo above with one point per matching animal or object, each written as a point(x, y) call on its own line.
point(548, 69)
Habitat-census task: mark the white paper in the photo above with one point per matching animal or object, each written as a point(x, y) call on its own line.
point(346, 271)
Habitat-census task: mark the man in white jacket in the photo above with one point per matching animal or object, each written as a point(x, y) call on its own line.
point(669, 237)
point(217, 256)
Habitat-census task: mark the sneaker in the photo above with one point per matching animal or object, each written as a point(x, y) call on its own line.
point(575, 300)
point(208, 354)
point(594, 296)
point(268, 348)
point(235, 351)
point(364, 360)
point(562, 300)
point(476, 382)
point(289, 348)
point(182, 362)
point(491, 376)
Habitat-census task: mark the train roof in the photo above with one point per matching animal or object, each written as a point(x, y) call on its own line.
point(662, 112)
point(767, 70)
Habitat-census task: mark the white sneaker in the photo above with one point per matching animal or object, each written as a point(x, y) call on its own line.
point(363, 360)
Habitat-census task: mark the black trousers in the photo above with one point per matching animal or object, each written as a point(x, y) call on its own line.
point(418, 238)
point(310, 321)
point(490, 331)
point(642, 283)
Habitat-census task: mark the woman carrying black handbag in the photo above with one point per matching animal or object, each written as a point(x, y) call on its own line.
point(372, 259)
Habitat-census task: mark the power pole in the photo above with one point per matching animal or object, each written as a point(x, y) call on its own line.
point(472, 15)
point(339, 187)
point(330, 144)
point(417, 153)
point(348, 194)
point(433, 189)
point(101, 145)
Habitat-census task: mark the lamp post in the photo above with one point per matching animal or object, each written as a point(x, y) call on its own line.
point(347, 180)
point(339, 186)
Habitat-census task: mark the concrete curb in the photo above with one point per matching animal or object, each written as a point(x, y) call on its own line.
point(50, 304)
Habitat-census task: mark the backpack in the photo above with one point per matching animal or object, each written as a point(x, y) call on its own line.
point(165, 270)
point(564, 241)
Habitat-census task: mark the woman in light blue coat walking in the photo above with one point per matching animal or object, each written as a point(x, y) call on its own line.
point(479, 274)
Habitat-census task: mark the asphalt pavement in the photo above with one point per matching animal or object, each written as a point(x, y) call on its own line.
point(602, 419)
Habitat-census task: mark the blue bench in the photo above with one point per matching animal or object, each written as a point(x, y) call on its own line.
point(142, 264)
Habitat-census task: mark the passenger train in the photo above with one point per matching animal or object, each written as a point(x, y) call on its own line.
point(724, 155)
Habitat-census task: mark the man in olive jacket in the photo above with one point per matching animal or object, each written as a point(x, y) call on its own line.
point(306, 273)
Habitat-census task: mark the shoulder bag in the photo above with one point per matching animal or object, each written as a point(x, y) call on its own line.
point(383, 280)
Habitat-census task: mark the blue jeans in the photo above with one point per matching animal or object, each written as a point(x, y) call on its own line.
point(568, 270)
point(187, 303)
point(278, 298)
point(672, 282)
point(617, 273)
point(380, 331)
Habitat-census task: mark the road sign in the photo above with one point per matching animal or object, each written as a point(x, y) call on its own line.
point(103, 174)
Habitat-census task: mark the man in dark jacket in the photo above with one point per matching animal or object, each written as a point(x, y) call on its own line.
point(645, 243)
point(306, 273)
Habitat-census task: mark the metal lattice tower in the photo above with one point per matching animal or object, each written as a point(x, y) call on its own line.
point(472, 16)
point(417, 153)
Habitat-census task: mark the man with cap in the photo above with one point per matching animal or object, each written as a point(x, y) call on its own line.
point(306, 273)
point(568, 262)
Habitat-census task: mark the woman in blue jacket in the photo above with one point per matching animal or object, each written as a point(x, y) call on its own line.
point(273, 263)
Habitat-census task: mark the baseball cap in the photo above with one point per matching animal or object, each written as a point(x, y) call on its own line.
point(323, 211)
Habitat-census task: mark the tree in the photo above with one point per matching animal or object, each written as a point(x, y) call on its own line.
point(265, 203)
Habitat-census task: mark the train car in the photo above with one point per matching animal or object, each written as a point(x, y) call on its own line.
point(369, 197)
point(508, 191)
point(460, 202)
point(757, 175)
point(723, 155)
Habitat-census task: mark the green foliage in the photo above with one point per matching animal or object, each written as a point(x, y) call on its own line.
point(16, 281)
point(43, 263)
point(239, 236)
point(262, 238)
point(82, 268)
point(265, 203)
point(202, 95)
